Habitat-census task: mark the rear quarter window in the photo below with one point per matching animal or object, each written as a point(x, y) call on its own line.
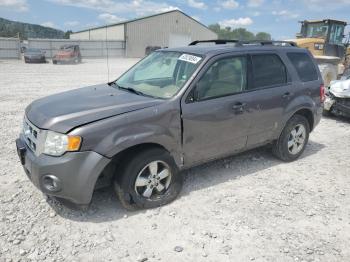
point(304, 66)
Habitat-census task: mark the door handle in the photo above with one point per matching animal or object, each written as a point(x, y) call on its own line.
point(239, 107)
point(286, 95)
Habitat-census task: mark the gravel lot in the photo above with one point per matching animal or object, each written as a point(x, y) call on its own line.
point(250, 207)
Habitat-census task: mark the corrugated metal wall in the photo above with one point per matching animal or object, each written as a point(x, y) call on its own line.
point(9, 48)
point(88, 48)
point(113, 32)
point(157, 31)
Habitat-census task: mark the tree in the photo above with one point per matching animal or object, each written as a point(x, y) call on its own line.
point(238, 33)
point(263, 36)
point(67, 34)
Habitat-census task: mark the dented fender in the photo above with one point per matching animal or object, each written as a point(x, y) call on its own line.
point(159, 125)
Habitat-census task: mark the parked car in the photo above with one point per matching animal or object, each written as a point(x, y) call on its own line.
point(67, 54)
point(34, 55)
point(176, 108)
point(338, 98)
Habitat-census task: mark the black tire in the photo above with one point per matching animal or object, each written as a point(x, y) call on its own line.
point(280, 147)
point(54, 62)
point(124, 183)
point(326, 113)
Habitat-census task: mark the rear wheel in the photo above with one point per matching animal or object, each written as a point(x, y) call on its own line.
point(150, 179)
point(293, 139)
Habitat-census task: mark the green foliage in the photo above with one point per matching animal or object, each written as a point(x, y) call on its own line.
point(67, 34)
point(263, 36)
point(238, 33)
point(24, 31)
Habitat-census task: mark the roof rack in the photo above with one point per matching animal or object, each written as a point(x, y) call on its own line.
point(215, 41)
point(242, 43)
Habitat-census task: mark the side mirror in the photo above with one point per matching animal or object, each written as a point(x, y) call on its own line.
point(193, 95)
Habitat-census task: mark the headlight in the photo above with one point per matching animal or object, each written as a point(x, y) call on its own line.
point(319, 46)
point(57, 144)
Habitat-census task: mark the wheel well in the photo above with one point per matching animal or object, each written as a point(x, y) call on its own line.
point(109, 173)
point(308, 115)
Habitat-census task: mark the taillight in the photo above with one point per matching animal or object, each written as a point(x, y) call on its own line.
point(322, 93)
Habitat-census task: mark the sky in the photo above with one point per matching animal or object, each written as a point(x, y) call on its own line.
point(277, 17)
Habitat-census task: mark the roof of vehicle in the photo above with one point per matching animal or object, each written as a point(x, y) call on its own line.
point(68, 46)
point(323, 21)
point(206, 49)
point(28, 50)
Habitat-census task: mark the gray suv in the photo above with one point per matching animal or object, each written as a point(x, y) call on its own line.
point(176, 108)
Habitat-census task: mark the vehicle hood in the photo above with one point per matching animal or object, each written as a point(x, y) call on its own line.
point(64, 111)
point(340, 88)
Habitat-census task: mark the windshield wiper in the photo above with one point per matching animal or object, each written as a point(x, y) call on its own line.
point(131, 90)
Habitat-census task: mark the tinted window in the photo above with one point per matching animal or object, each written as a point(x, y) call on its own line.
point(304, 66)
point(268, 70)
point(224, 77)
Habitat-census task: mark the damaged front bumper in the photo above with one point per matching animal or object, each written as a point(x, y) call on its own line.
point(339, 106)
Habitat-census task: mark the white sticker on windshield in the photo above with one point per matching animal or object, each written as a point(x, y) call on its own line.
point(190, 58)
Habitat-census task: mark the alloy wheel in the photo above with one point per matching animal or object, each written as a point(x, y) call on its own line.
point(296, 139)
point(154, 179)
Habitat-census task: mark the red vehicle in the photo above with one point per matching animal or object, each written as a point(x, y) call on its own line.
point(67, 54)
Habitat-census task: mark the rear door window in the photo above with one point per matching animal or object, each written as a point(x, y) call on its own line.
point(304, 66)
point(268, 70)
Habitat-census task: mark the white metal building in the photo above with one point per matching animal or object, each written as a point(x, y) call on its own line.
point(169, 29)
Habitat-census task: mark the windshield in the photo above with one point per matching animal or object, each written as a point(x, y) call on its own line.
point(68, 48)
point(318, 30)
point(161, 74)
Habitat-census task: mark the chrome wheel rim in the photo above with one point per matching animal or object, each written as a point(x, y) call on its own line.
point(154, 179)
point(296, 139)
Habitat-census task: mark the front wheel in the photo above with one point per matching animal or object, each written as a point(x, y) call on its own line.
point(150, 179)
point(293, 139)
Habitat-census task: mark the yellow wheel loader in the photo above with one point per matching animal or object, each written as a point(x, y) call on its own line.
point(324, 39)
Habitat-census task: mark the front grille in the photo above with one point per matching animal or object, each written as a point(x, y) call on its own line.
point(32, 136)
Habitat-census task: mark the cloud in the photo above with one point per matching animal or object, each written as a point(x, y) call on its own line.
point(197, 4)
point(285, 14)
point(229, 4)
point(255, 3)
point(320, 5)
point(138, 7)
point(48, 24)
point(242, 21)
point(109, 18)
point(15, 5)
point(71, 23)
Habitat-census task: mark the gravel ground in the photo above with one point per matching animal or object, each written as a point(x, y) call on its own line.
point(250, 207)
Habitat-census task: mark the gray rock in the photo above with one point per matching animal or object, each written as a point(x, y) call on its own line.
point(178, 249)
point(142, 258)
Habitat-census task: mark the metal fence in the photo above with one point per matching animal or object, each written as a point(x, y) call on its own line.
point(9, 48)
point(88, 48)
